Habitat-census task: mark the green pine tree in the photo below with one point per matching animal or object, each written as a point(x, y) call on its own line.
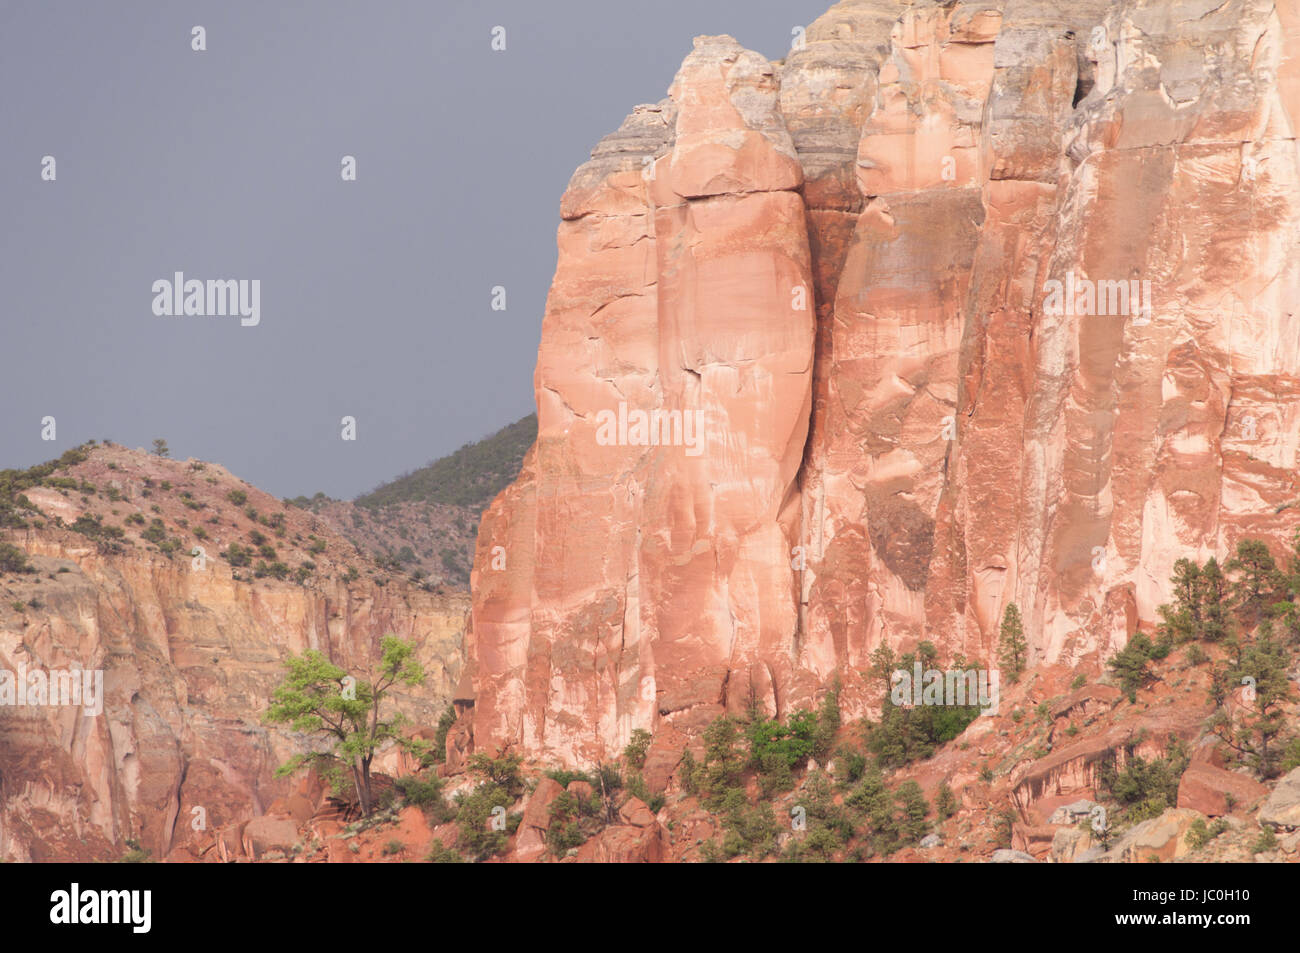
point(1129, 664)
point(1183, 620)
point(1216, 623)
point(1257, 581)
point(1013, 650)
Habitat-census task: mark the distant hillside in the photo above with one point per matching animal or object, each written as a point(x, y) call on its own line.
point(471, 477)
point(425, 523)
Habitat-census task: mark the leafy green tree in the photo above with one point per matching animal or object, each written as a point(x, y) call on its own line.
point(873, 799)
point(723, 761)
point(160, 447)
point(905, 734)
point(638, 747)
point(901, 736)
point(1182, 620)
point(750, 829)
point(13, 559)
point(1254, 733)
point(1286, 618)
point(1292, 576)
point(945, 802)
point(319, 697)
point(502, 771)
point(1258, 580)
point(438, 754)
point(913, 825)
point(565, 830)
point(481, 817)
point(883, 665)
point(775, 750)
point(1144, 788)
point(1216, 623)
point(1129, 664)
point(828, 725)
point(1013, 649)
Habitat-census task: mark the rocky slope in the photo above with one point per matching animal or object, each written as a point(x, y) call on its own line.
point(190, 646)
point(850, 265)
point(425, 522)
point(1026, 784)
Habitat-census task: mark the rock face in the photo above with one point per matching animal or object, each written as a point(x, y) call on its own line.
point(1282, 809)
point(1214, 791)
point(190, 654)
point(1162, 838)
point(972, 304)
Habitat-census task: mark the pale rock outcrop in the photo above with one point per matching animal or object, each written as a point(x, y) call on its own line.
point(1282, 809)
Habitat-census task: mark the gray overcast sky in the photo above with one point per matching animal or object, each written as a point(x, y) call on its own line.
point(375, 294)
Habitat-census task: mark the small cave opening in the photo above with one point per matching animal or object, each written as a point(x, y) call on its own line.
point(1083, 86)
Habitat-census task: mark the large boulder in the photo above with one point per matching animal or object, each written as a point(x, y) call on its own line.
point(1282, 809)
point(635, 812)
point(530, 840)
point(624, 845)
point(1207, 789)
point(1161, 838)
point(1069, 843)
point(265, 834)
point(1005, 856)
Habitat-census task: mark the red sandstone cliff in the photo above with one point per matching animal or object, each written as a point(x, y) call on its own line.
point(842, 263)
point(190, 652)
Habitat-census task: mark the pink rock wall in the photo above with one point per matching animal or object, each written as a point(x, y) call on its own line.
point(843, 263)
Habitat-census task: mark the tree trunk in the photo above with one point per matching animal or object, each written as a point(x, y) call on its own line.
point(365, 777)
point(363, 792)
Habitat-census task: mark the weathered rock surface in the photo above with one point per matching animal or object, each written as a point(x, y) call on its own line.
point(1012, 857)
point(1162, 838)
point(1207, 789)
point(843, 262)
point(1282, 809)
